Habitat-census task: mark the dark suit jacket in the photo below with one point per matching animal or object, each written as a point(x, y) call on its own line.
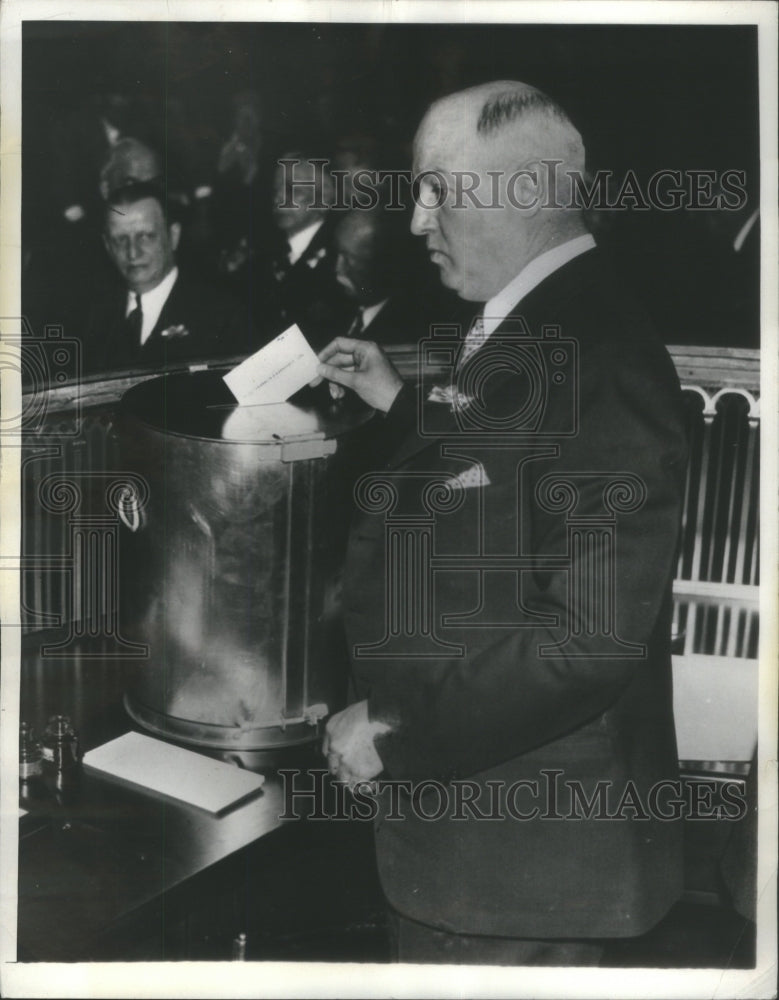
point(216, 327)
point(501, 704)
point(401, 321)
point(412, 313)
point(306, 293)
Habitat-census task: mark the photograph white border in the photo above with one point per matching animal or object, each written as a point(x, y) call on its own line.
point(329, 980)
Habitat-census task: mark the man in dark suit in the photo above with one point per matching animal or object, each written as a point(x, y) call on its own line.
point(372, 268)
point(158, 315)
point(294, 278)
point(507, 591)
point(63, 209)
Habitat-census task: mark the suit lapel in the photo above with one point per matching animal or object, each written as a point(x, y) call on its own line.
point(318, 243)
point(166, 318)
point(544, 305)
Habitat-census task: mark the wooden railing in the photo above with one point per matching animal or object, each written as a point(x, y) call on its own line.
point(715, 627)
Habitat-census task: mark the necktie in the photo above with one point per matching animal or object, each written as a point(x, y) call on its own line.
point(358, 325)
point(474, 339)
point(135, 323)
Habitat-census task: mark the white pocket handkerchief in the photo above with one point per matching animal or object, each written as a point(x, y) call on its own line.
point(448, 394)
point(470, 478)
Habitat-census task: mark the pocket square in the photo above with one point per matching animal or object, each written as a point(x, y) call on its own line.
point(174, 332)
point(470, 478)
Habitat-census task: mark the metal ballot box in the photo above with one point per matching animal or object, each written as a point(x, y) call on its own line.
point(230, 561)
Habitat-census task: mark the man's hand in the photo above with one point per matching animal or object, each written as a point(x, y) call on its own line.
point(349, 747)
point(362, 366)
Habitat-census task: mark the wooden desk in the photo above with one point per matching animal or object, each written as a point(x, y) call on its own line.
point(97, 875)
point(110, 872)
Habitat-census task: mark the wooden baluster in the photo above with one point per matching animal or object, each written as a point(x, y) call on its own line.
point(746, 505)
point(730, 425)
point(703, 487)
point(737, 645)
point(714, 485)
point(755, 628)
point(689, 639)
point(722, 618)
point(732, 528)
point(754, 564)
point(685, 525)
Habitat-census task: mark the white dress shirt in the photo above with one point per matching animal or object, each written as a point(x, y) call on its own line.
point(298, 244)
point(502, 304)
point(369, 313)
point(152, 303)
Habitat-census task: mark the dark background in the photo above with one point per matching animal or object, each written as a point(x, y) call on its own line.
point(643, 97)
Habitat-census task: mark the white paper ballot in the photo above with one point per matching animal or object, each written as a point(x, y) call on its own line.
point(275, 372)
point(182, 774)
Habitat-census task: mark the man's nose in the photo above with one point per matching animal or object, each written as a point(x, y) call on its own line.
point(133, 250)
point(423, 220)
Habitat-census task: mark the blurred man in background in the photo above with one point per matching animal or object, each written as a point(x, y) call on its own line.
point(295, 277)
point(371, 262)
point(157, 315)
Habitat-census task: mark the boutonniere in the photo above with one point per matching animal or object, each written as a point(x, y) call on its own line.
point(449, 395)
point(175, 332)
point(317, 257)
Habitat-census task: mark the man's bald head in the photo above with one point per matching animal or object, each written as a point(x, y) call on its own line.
point(512, 120)
point(503, 136)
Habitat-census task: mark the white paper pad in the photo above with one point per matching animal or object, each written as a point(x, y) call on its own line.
point(275, 372)
point(182, 774)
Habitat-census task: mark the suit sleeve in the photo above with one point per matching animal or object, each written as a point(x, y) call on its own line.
point(457, 717)
point(398, 422)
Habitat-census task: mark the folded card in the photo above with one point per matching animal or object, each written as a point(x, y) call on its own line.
point(275, 372)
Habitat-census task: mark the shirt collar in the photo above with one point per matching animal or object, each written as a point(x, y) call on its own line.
point(152, 303)
point(499, 307)
point(112, 133)
point(299, 242)
point(369, 313)
point(745, 230)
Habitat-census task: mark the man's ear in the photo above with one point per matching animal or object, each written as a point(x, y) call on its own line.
point(526, 187)
point(174, 233)
point(107, 245)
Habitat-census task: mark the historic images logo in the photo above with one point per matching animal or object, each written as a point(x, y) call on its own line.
point(548, 797)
